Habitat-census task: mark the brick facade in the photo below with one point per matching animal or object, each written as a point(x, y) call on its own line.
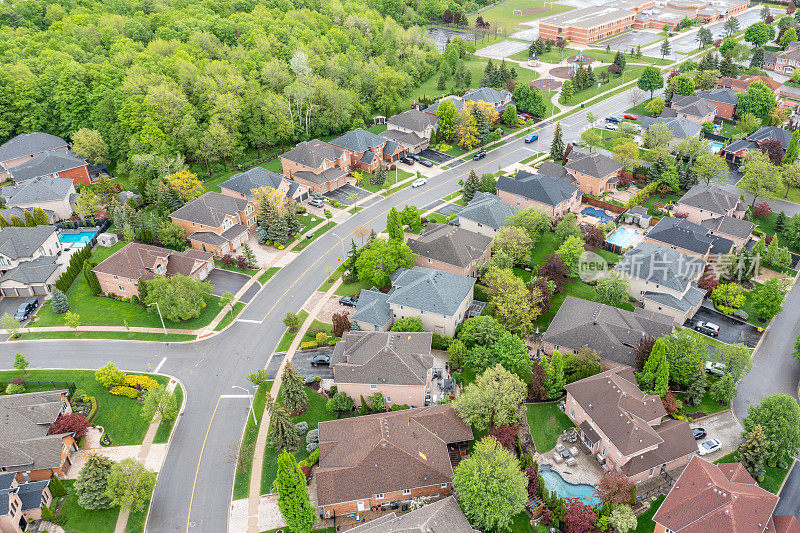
point(339, 509)
point(568, 206)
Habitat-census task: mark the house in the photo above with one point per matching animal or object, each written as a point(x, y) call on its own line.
point(21, 504)
point(664, 279)
point(318, 165)
point(615, 333)
point(31, 278)
point(738, 150)
point(625, 429)
point(724, 98)
point(703, 202)
point(784, 61)
point(217, 223)
point(363, 150)
point(693, 108)
point(398, 365)
point(681, 127)
point(443, 516)
point(499, 99)
point(740, 85)
point(789, 92)
point(451, 249)
point(56, 164)
point(587, 24)
point(720, 497)
point(440, 299)
point(22, 244)
point(121, 272)
point(592, 173)
point(412, 129)
point(688, 238)
point(551, 195)
point(244, 184)
point(25, 446)
point(54, 195)
point(24, 147)
point(734, 229)
point(388, 458)
point(485, 214)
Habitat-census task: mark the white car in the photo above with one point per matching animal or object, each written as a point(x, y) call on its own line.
point(708, 446)
point(611, 126)
point(716, 369)
point(419, 183)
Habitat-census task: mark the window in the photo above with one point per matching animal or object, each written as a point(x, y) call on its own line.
point(122, 288)
point(443, 486)
point(406, 492)
point(387, 399)
point(571, 412)
point(379, 496)
point(373, 387)
point(429, 260)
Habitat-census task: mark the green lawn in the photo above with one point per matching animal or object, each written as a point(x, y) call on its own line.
point(114, 335)
point(708, 340)
point(645, 522)
point(349, 289)
point(288, 337)
point(165, 428)
point(392, 178)
point(547, 422)
point(631, 73)
point(578, 289)
point(317, 325)
point(265, 277)
point(306, 241)
point(502, 14)
point(229, 316)
point(545, 246)
point(707, 405)
point(772, 480)
point(241, 480)
point(118, 415)
point(233, 268)
point(554, 57)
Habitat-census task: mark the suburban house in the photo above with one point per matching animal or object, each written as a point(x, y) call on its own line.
point(22, 244)
point(452, 249)
point(704, 202)
point(496, 98)
point(724, 98)
point(413, 129)
point(720, 497)
point(784, 61)
point(244, 184)
point(693, 108)
point(615, 333)
point(121, 272)
point(441, 299)
point(25, 446)
point(61, 164)
point(217, 223)
point(443, 516)
point(56, 196)
point(688, 238)
point(550, 194)
point(681, 127)
point(485, 214)
point(592, 173)
point(24, 147)
point(664, 279)
point(398, 365)
point(627, 430)
point(789, 92)
point(741, 84)
point(734, 229)
point(363, 150)
point(738, 150)
point(31, 278)
point(375, 461)
point(21, 504)
point(318, 165)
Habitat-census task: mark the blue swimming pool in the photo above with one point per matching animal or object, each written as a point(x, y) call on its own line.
point(597, 213)
point(76, 238)
point(623, 237)
point(716, 146)
point(585, 493)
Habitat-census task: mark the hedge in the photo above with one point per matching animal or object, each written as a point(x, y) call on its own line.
point(121, 390)
point(143, 382)
point(64, 282)
point(93, 409)
point(310, 345)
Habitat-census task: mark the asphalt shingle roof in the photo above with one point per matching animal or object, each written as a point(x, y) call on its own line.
point(386, 358)
point(487, 209)
point(771, 133)
point(27, 144)
point(689, 236)
point(429, 290)
point(38, 270)
point(312, 153)
point(372, 308)
point(210, 209)
point(730, 226)
point(449, 244)
point(137, 261)
point(595, 164)
point(722, 95)
point(30, 494)
point(661, 265)
point(680, 127)
point(692, 105)
point(24, 422)
point(46, 163)
point(443, 516)
point(457, 101)
point(22, 242)
point(712, 199)
point(413, 119)
point(407, 138)
point(42, 189)
point(358, 140)
point(487, 94)
point(246, 182)
point(544, 189)
point(329, 174)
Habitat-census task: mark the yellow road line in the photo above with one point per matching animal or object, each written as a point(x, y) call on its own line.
point(199, 459)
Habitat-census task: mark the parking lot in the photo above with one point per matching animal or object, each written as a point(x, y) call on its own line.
point(731, 330)
point(342, 194)
point(624, 41)
point(226, 281)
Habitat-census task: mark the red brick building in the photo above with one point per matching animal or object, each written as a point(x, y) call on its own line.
point(217, 223)
point(587, 25)
point(53, 164)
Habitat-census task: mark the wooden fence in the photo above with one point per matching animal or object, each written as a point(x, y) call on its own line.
point(614, 208)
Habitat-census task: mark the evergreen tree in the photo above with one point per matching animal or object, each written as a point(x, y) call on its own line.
point(757, 61)
point(442, 83)
point(91, 279)
point(471, 185)
point(752, 452)
point(697, 388)
point(283, 434)
point(277, 229)
point(17, 222)
point(294, 394)
point(29, 220)
point(292, 222)
point(654, 377)
point(350, 260)
point(557, 146)
point(266, 215)
point(709, 62)
point(394, 225)
point(293, 499)
point(620, 61)
point(3, 222)
point(40, 216)
point(728, 68)
point(658, 169)
point(481, 123)
point(59, 302)
point(92, 481)
point(780, 222)
point(249, 255)
point(591, 79)
point(665, 48)
point(792, 150)
point(57, 488)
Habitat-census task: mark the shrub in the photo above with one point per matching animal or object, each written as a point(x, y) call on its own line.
point(56, 487)
point(59, 302)
point(70, 423)
point(120, 390)
point(47, 514)
point(312, 447)
point(308, 345)
point(308, 380)
point(762, 210)
point(92, 401)
point(64, 282)
point(311, 460)
point(109, 375)
point(302, 427)
point(15, 389)
point(227, 260)
point(306, 470)
point(140, 382)
point(314, 329)
point(312, 436)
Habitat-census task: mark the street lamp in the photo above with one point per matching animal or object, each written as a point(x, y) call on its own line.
point(344, 252)
point(159, 316)
point(250, 395)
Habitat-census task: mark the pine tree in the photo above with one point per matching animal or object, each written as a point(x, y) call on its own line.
point(620, 61)
point(293, 499)
point(757, 60)
point(697, 388)
point(294, 394)
point(91, 279)
point(249, 255)
point(59, 302)
point(655, 172)
point(470, 186)
point(557, 146)
point(394, 226)
point(442, 83)
point(283, 434)
point(92, 481)
point(17, 222)
point(752, 452)
point(3, 222)
point(277, 229)
point(29, 220)
point(792, 150)
point(591, 79)
point(350, 260)
point(57, 488)
point(40, 216)
point(292, 222)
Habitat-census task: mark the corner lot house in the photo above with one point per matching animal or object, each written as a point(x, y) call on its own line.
point(61, 164)
point(21, 504)
point(440, 299)
point(243, 185)
point(693, 108)
point(485, 214)
point(120, 273)
point(317, 165)
point(725, 99)
point(217, 223)
point(444, 516)
point(665, 280)
point(413, 129)
point(377, 460)
point(688, 238)
point(741, 84)
point(721, 497)
point(24, 147)
point(28, 260)
point(615, 333)
point(496, 98)
point(54, 195)
point(398, 365)
point(704, 202)
point(25, 447)
point(548, 194)
point(451, 249)
point(625, 429)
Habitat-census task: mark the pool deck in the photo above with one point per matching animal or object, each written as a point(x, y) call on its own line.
point(587, 470)
point(633, 241)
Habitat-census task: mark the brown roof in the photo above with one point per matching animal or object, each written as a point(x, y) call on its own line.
point(677, 442)
point(707, 499)
point(382, 357)
point(138, 261)
point(24, 422)
point(741, 84)
point(384, 452)
point(783, 524)
point(449, 244)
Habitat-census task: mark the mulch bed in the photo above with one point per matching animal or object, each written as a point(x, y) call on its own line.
point(587, 60)
point(544, 84)
point(564, 73)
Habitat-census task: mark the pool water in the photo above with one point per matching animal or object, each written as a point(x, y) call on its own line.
point(716, 146)
point(623, 237)
point(79, 237)
point(585, 493)
point(597, 213)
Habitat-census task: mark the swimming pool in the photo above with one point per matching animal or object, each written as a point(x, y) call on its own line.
point(623, 237)
point(76, 238)
point(585, 493)
point(716, 146)
point(597, 213)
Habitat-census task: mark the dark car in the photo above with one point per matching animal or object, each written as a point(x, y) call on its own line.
point(480, 155)
point(698, 433)
point(407, 160)
point(415, 157)
point(615, 120)
point(316, 202)
point(349, 301)
point(425, 163)
point(320, 359)
point(26, 308)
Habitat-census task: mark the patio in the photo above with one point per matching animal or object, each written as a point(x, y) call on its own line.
point(584, 469)
point(442, 385)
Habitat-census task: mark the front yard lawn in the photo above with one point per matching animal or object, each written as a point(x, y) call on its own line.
point(229, 316)
point(113, 335)
point(289, 336)
point(265, 277)
point(80, 520)
point(306, 241)
point(393, 177)
point(347, 289)
point(241, 480)
point(707, 405)
point(165, 428)
point(233, 268)
point(772, 480)
point(547, 422)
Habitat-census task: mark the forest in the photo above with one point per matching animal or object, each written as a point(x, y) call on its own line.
point(204, 79)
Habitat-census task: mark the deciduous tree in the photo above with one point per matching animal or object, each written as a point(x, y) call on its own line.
point(492, 399)
point(130, 485)
point(159, 404)
point(179, 297)
point(779, 417)
point(380, 258)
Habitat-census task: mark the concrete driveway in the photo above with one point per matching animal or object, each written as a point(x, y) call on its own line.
point(226, 281)
point(341, 194)
point(725, 428)
point(730, 330)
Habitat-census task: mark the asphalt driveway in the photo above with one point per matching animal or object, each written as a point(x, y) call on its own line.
point(789, 502)
point(435, 155)
point(226, 281)
point(342, 193)
point(302, 364)
point(10, 304)
point(730, 330)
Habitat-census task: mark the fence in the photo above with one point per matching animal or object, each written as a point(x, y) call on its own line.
point(35, 385)
point(614, 208)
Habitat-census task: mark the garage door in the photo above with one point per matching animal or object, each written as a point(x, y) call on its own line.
point(10, 292)
point(25, 291)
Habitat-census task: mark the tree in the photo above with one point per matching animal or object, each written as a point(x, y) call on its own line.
point(758, 34)
point(767, 299)
point(448, 119)
point(514, 242)
point(529, 100)
point(283, 434)
point(757, 59)
point(294, 394)
point(683, 85)
point(792, 150)
point(553, 268)
point(88, 203)
point(760, 178)
point(409, 323)
point(291, 320)
point(510, 117)
point(568, 226)
point(567, 91)
point(657, 136)
point(752, 452)
point(651, 78)
point(579, 518)
point(172, 235)
point(178, 297)
point(779, 417)
point(773, 150)
point(655, 106)
point(554, 380)
point(293, 499)
point(614, 488)
point(72, 319)
point(697, 388)
point(159, 404)
point(109, 375)
point(92, 481)
point(731, 26)
point(557, 146)
point(480, 330)
point(89, 144)
point(20, 363)
point(40, 217)
point(512, 302)
point(654, 377)
point(570, 253)
point(471, 185)
point(665, 50)
point(643, 350)
point(489, 485)
point(130, 485)
point(623, 519)
point(380, 258)
point(704, 36)
point(533, 221)
point(394, 225)
point(492, 399)
point(186, 184)
point(626, 153)
point(758, 100)
point(710, 169)
point(789, 36)
point(74, 423)
point(591, 139)
point(259, 377)
point(613, 289)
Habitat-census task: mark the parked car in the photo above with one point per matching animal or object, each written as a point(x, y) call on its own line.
point(480, 155)
point(716, 369)
point(709, 446)
point(320, 359)
point(613, 119)
point(316, 202)
point(414, 157)
point(698, 433)
point(532, 137)
point(425, 162)
point(526, 116)
point(349, 301)
point(407, 160)
point(419, 182)
point(630, 116)
point(26, 308)
point(611, 126)
point(707, 328)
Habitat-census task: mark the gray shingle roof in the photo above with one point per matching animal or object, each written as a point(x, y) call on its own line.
point(30, 494)
point(661, 265)
point(37, 271)
point(312, 153)
point(729, 226)
point(683, 234)
point(21, 242)
point(741, 144)
point(457, 101)
point(413, 120)
point(692, 105)
point(46, 163)
point(24, 422)
point(373, 308)
point(358, 140)
point(329, 174)
point(443, 516)
point(245, 182)
point(449, 244)
point(487, 209)
point(210, 209)
point(26, 144)
point(771, 133)
point(680, 127)
point(547, 190)
point(368, 157)
point(42, 189)
point(429, 290)
point(391, 146)
point(136, 261)
point(550, 168)
point(712, 199)
point(409, 139)
point(722, 95)
point(692, 298)
point(595, 164)
point(487, 94)
point(386, 358)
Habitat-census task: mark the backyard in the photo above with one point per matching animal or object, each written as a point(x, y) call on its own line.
point(546, 422)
